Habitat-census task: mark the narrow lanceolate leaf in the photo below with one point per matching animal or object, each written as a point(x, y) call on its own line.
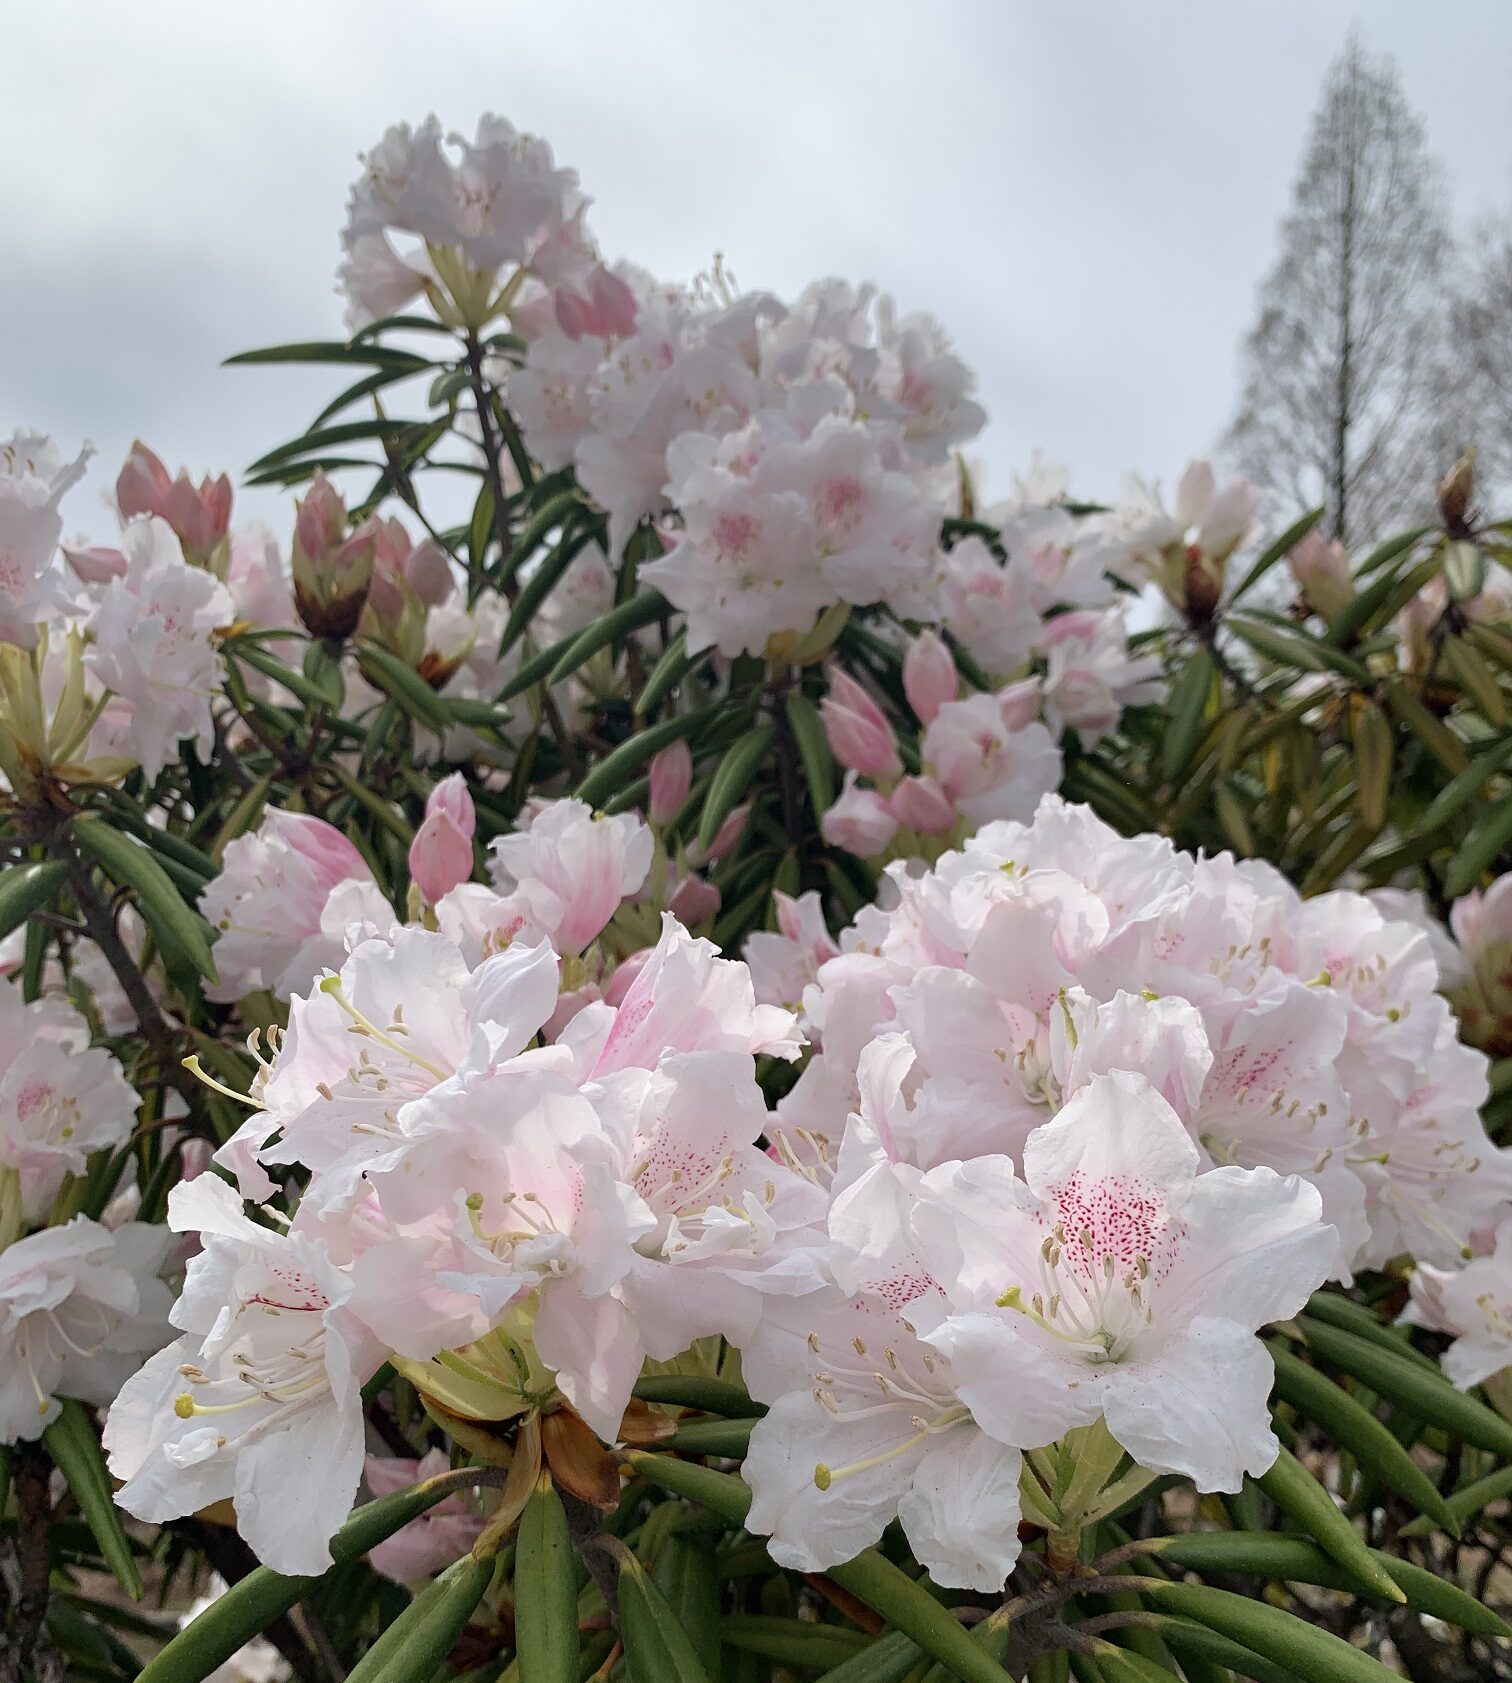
point(1296, 1492)
point(178, 929)
point(1356, 1429)
point(909, 1607)
point(1345, 1313)
point(814, 753)
point(75, 1450)
point(330, 350)
point(611, 628)
point(687, 1573)
point(657, 1648)
point(1192, 1643)
point(730, 782)
point(612, 772)
point(1306, 1649)
point(1432, 732)
point(296, 683)
point(1189, 697)
point(1290, 647)
point(1373, 751)
point(729, 1439)
point(674, 665)
point(416, 1644)
point(1466, 1503)
point(890, 1659)
point(546, 1621)
point(709, 1396)
point(542, 582)
point(1480, 850)
point(794, 1642)
point(1401, 1379)
point(25, 889)
point(1461, 790)
point(249, 1607)
point(404, 687)
point(1468, 668)
point(1278, 550)
point(542, 523)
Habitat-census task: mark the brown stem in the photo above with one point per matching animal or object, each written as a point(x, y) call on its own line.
point(24, 1649)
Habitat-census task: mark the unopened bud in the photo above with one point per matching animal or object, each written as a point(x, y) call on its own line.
point(1454, 492)
point(858, 730)
point(671, 778)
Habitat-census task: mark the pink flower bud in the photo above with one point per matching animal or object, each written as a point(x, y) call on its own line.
point(620, 982)
point(671, 779)
point(693, 900)
point(1019, 703)
point(198, 514)
point(919, 803)
point(859, 821)
point(95, 564)
point(857, 729)
point(332, 572)
point(929, 676)
point(574, 312)
point(726, 839)
point(451, 796)
point(320, 520)
point(441, 854)
point(615, 304)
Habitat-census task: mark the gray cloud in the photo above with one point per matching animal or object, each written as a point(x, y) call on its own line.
point(1085, 194)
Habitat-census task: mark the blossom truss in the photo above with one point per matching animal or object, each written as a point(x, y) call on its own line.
point(1301, 1036)
point(519, 1221)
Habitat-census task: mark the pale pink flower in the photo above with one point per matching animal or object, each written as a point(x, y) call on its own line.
point(154, 644)
point(269, 901)
point(988, 769)
point(920, 803)
point(33, 479)
point(1482, 925)
point(1114, 1280)
point(782, 964)
point(573, 867)
point(80, 1306)
point(860, 821)
point(260, 1396)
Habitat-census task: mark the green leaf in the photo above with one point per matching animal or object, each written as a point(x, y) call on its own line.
point(1189, 1641)
point(726, 1438)
point(541, 583)
point(535, 669)
point(687, 1573)
point(657, 1648)
point(1399, 1378)
point(416, 1644)
point(608, 777)
point(1467, 666)
point(732, 780)
point(909, 1607)
point(179, 931)
point(1433, 733)
point(890, 1659)
point(1188, 702)
point(345, 432)
point(709, 1396)
point(1270, 1554)
point(1294, 648)
point(1466, 1502)
point(1479, 850)
point(1345, 1313)
point(674, 665)
point(1277, 550)
point(365, 387)
point(75, 1450)
point(1296, 1492)
point(1389, 551)
point(546, 1620)
point(1459, 791)
point(793, 1642)
point(296, 683)
point(330, 350)
point(1378, 602)
point(25, 889)
point(610, 628)
point(557, 512)
point(814, 753)
point(403, 686)
point(1306, 1649)
point(1356, 1429)
point(249, 1607)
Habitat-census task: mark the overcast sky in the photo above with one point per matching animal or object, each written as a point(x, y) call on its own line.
point(1085, 194)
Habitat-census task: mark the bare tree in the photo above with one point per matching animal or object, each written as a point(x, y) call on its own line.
point(1346, 361)
point(1479, 388)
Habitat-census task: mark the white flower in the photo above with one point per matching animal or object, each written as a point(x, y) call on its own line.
point(154, 646)
point(866, 1424)
point(80, 1306)
point(1474, 1304)
point(259, 1397)
point(1116, 1280)
point(33, 586)
point(571, 868)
